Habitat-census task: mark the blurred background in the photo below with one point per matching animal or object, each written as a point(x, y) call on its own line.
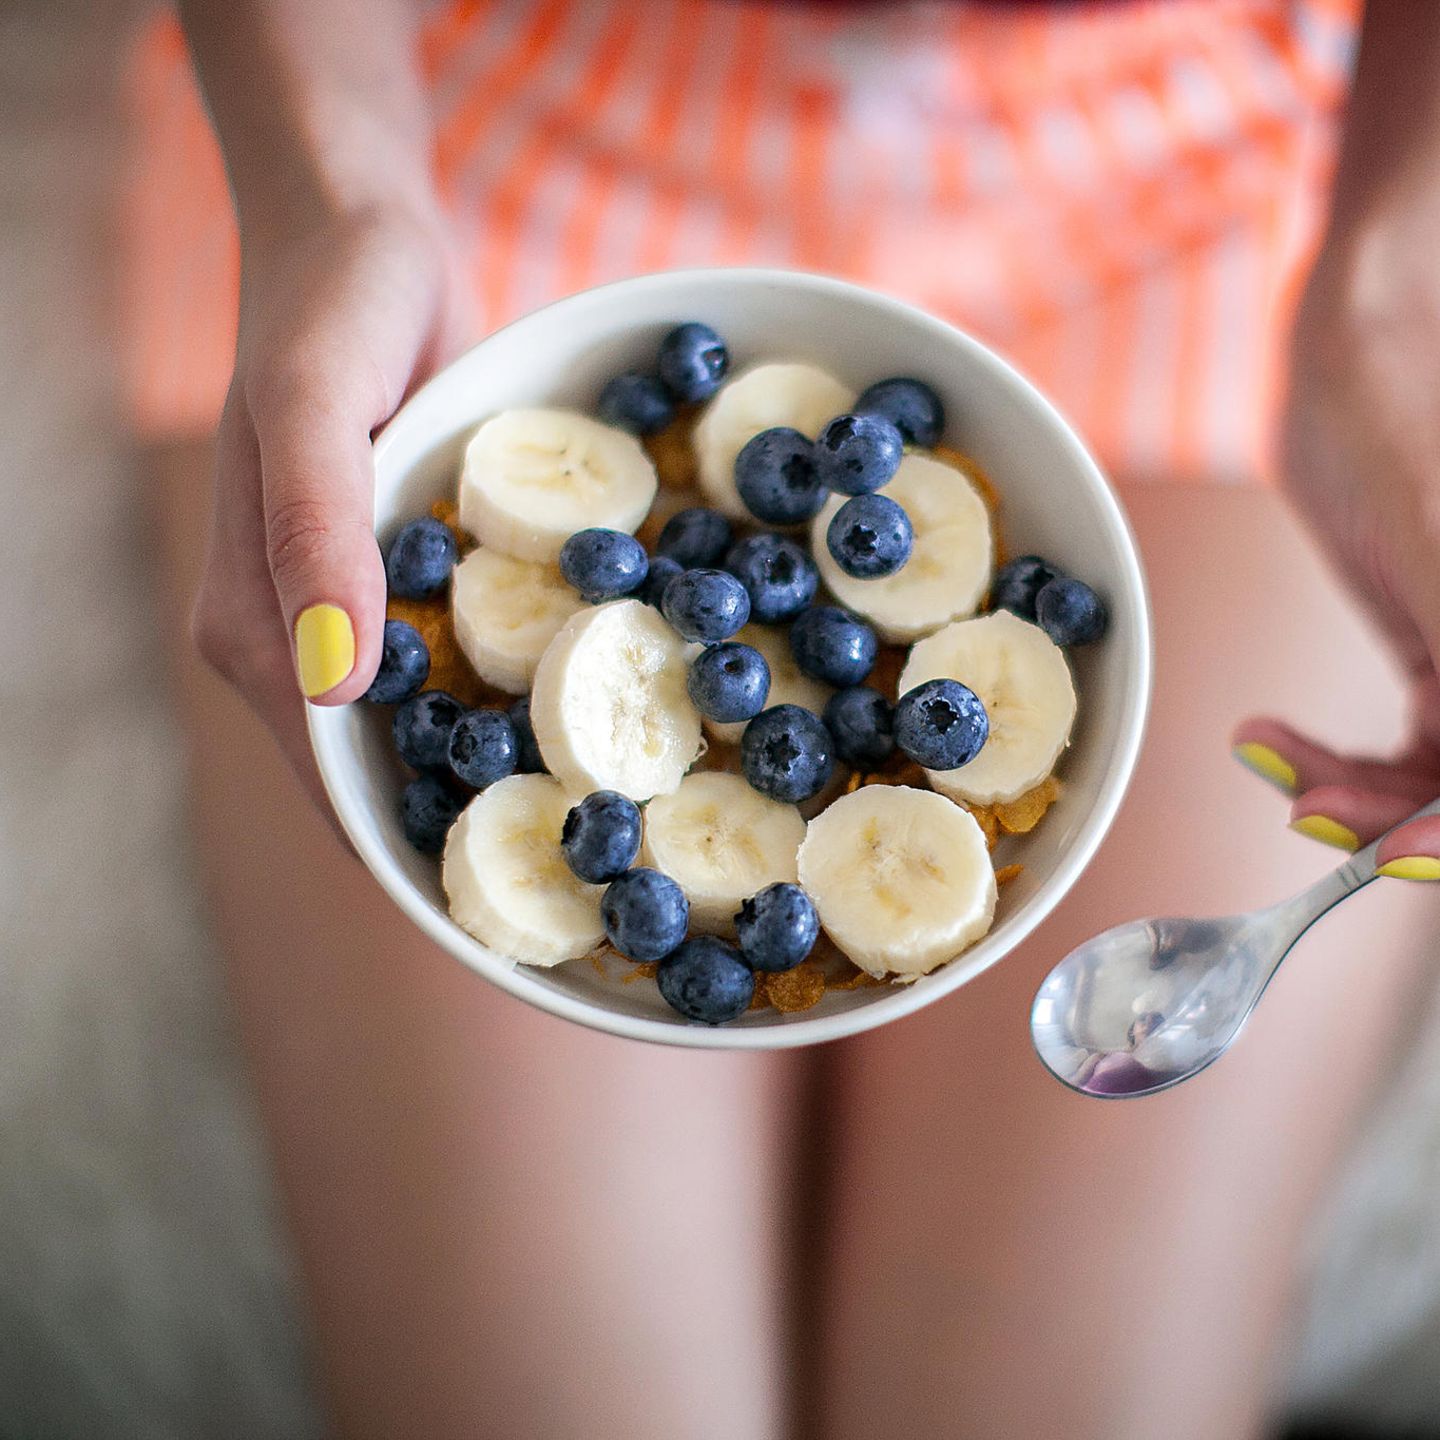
point(144, 1290)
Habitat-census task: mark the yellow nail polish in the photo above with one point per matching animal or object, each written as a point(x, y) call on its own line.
point(1267, 764)
point(1326, 831)
point(1411, 867)
point(324, 648)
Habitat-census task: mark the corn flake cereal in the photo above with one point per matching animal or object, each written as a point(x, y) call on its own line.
point(1019, 817)
point(1006, 873)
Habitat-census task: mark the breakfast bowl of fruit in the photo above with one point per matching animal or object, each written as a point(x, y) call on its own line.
point(764, 659)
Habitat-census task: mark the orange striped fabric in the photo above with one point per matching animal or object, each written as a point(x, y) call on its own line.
point(1117, 195)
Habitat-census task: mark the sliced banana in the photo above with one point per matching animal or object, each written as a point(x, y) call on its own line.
point(506, 612)
point(901, 878)
point(609, 703)
point(789, 684)
point(507, 880)
point(948, 571)
point(721, 841)
point(532, 478)
point(1023, 679)
point(803, 397)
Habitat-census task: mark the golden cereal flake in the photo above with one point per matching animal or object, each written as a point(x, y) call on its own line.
point(1019, 817)
point(1006, 873)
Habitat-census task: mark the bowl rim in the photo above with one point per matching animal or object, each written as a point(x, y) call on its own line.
point(898, 1001)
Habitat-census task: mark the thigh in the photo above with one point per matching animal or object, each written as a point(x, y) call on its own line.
point(506, 1225)
point(1010, 1259)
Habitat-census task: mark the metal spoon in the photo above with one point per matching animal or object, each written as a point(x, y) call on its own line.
point(1153, 1002)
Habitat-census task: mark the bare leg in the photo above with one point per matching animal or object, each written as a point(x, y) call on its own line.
point(507, 1226)
point(1011, 1260)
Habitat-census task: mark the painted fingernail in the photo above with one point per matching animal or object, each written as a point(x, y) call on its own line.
point(1326, 831)
point(1411, 867)
point(1268, 765)
point(324, 648)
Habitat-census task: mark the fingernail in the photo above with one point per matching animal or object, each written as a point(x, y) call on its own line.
point(1265, 763)
point(1411, 867)
point(1326, 831)
point(324, 648)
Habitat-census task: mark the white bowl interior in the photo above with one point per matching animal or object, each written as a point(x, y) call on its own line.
point(1055, 502)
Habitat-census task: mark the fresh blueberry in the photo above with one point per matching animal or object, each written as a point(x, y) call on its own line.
point(601, 836)
point(729, 682)
point(858, 453)
point(646, 914)
point(662, 571)
point(428, 808)
point(707, 980)
point(778, 575)
point(785, 753)
point(1017, 584)
point(637, 403)
point(483, 748)
point(941, 724)
point(693, 361)
point(603, 564)
point(776, 475)
point(422, 727)
point(911, 406)
point(528, 759)
point(862, 723)
point(777, 928)
point(404, 665)
point(695, 537)
point(1070, 612)
point(870, 537)
point(830, 644)
point(706, 605)
point(421, 558)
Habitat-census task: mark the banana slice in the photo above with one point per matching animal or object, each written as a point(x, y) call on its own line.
point(532, 478)
point(948, 571)
point(901, 878)
point(507, 880)
point(789, 684)
point(800, 396)
point(721, 841)
point(609, 703)
point(506, 612)
point(1023, 679)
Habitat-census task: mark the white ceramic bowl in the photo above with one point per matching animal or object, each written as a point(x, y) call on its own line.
point(1055, 502)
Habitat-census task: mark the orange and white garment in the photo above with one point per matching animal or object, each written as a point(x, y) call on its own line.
point(1115, 195)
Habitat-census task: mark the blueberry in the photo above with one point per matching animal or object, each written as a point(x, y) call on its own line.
point(911, 406)
point(637, 403)
point(777, 928)
point(421, 558)
point(941, 724)
point(603, 564)
point(528, 759)
point(705, 605)
point(729, 682)
point(776, 475)
point(858, 453)
point(601, 836)
point(707, 980)
point(778, 575)
point(646, 914)
point(662, 571)
point(428, 808)
point(830, 644)
point(870, 537)
point(695, 537)
point(1018, 582)
point(861, 721)
point(1070, 612)
point(786, 753)
point(693, 361)
point(483, 748)
point(404, 665)
point(422, 727)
